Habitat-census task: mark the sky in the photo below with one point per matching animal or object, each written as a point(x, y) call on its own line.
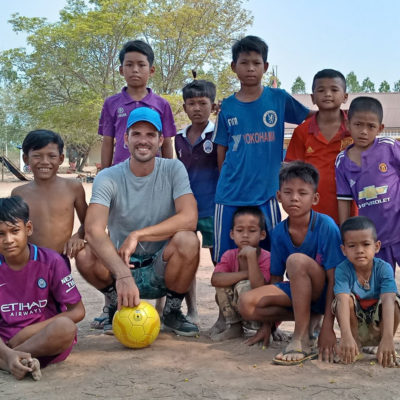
point(304, 36)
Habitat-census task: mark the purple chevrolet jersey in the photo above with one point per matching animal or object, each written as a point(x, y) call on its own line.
point(115, 113)
point(36, 293)
point(375, 186)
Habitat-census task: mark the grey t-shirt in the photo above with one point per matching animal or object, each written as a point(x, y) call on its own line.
point(138, 202)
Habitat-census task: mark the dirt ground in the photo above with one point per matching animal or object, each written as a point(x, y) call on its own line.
point(174, 367)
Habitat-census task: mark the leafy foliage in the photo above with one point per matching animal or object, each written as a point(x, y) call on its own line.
point(72, 65)
point(367, 86)
point(299, 86)
point(353, 86)
point(384, 87)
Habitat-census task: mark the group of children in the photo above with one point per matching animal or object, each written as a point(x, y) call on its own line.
point(266, 271)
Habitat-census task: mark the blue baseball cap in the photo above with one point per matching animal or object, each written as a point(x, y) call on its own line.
point(145, 114)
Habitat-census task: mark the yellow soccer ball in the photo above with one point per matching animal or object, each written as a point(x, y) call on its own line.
point(136, 327)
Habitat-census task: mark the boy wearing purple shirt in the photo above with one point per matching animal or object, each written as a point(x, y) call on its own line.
point(369, 172)
point(39, 302)
point(136, 67)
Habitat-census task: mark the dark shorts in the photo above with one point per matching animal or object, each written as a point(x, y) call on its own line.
point(149, 275)
point(206, 227)
point(317, 306)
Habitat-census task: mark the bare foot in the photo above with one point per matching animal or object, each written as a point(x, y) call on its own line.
point(263, 335)
point(279, 336)
point(193, 316)
point(219, 325)
point(231, 332)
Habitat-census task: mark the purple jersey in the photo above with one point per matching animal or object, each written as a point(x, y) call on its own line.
point(375, 186)
point(36, 293)
point(115, 113)
point(201, 163)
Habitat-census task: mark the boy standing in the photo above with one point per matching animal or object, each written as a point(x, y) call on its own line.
point(52, 200)
point(136, 58)
point(240, 269)
point(249, 136)
point(368, 172)
point(366, 303)
point(40, 303)
point(307, 247)
point(319, 139)
point(195, 149)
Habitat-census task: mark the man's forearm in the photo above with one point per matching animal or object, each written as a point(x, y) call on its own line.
point(166, 229)
point(101, 245)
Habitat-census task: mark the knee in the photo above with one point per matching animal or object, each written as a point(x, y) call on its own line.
point(63, 328)
point(297, 264)
point(186, 244)
point(84, 259)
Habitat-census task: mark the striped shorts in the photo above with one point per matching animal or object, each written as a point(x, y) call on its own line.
point(223, 224)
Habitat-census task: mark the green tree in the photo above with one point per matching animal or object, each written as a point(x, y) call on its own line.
point(384, 87)
point(191, 34)
point(396, 86)
point(298, 87)
point(367, 85)
point(73, 64)
point(353, 86)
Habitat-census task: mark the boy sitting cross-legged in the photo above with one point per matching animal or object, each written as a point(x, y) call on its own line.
point(366, 303)
point(307, 247)
point(40, 303)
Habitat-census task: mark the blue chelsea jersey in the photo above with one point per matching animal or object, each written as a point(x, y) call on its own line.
point(253, 134)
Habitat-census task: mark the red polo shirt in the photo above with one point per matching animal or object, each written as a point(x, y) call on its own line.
point(310, 145)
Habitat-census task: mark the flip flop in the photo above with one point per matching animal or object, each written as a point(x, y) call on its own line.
point(306, 356)
point(98, 322)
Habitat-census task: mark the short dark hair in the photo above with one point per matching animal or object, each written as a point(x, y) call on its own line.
point(36, 140)
point(252, 210)
point(329, 73)
point(247, 44)
point(140, 47)
point(199, 88)
point(299, 169)
point(12, 209)
point(366, 104)
point(359, 223)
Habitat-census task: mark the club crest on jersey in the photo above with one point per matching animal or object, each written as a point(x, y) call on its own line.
point(383, 167)
point(208, 146)
point(270, 118)
point(42, 283)
point(121, 112)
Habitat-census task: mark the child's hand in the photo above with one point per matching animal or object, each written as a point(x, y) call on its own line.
point(348, 350)
point(386, 353)
point(247, 251)
point(73, 246)
point(262, 336)
point(14, 365)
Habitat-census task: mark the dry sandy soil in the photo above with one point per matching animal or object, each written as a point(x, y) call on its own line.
point(192, 368)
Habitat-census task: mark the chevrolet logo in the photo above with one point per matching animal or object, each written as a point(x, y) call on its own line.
point(372, 192)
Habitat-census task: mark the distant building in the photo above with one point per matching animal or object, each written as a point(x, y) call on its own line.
point(391, 111)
